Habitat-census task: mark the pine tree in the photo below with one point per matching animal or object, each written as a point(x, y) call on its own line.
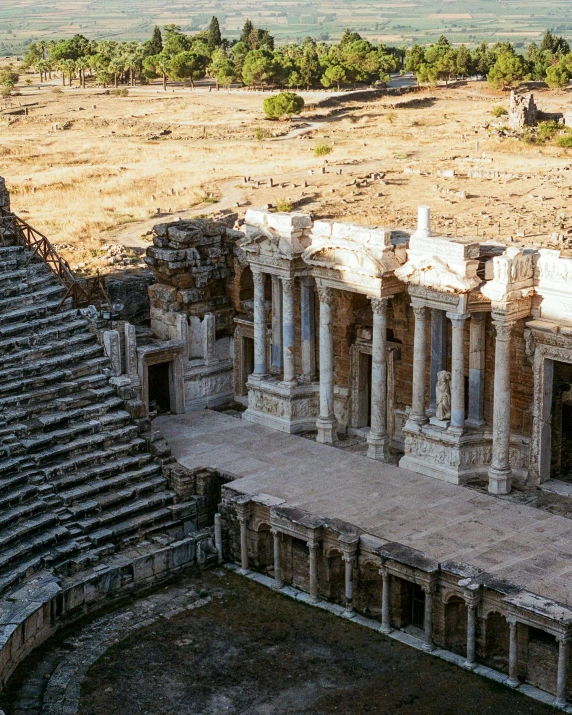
point(246, 31)
point(215, 38)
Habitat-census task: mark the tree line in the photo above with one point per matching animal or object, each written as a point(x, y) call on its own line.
point(255, 61)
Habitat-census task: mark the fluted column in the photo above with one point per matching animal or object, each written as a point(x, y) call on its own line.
point(378, 439)
point(308, 329)
point(512, 654)
point(500, 471)
point(417, 414)
point(385, 612)
point(428, 619)
point(471, 635)
point(260, 367)
point(278, 580)
point(563, 648)
point(276, 351)
point(313, 565)
point(326, 422)
point(458, 371)
point(288, 334)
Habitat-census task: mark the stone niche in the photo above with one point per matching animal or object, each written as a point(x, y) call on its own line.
point(193, 264)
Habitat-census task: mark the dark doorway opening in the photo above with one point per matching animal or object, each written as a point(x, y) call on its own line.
point(159, 393)
point(561, 466)
point(418, 606)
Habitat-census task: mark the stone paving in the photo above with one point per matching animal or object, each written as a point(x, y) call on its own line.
point(527, 546)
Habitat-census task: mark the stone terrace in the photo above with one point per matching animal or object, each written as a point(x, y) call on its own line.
point(525, 546)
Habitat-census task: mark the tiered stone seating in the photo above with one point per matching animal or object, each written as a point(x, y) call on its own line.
point(77, 480)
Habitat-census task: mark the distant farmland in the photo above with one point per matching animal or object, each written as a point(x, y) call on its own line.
point(401, 23)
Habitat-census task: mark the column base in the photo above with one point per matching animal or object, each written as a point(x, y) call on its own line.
point(499, 481)
point(386, 630)
point(513, 683)
point(469, 666)
point(428, 647)
point(327, 430)
point(560, 703)
point(278, 585)
point(349, 613)
point(378, 447)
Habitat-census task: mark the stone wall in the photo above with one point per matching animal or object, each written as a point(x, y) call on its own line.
point(4, 195)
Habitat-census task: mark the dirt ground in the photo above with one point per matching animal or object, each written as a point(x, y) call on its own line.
point(114, 165)
point(250, 650)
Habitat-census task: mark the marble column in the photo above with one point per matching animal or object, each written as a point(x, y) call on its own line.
point(428, 619)
point(349, 584)
point(477, 370)
point(512, 654)
point(471, 636)
point(563, 648)
point(308, 329)
point(458, 371)
point(500, 471)
point(276, 350)
point(288, 332)
point(326, 423)
point(417, 414)
point(243, 519)
point(278, 580)
point(378, 439)
point(313, 564)
point(260, 367)
point(438, 353)
point(385, 613)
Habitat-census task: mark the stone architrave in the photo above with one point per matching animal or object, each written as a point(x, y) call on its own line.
point(112, 345)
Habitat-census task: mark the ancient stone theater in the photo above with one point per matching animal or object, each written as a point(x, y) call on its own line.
point(376, 421)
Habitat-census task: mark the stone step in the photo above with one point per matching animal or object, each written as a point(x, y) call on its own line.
point(35, 324)
point(44, 350)
point(37, 382)
point(94, 458)
point(24, 530)
point(17, 495)
point(110, 499)
point(107, 468)
point(126, 512)
point(17, 283)
point(30, 339)
point(47, 291)
point(46, 365)
point(11, 516)
point(96, 486)
point(20, 552)
point(78, 447)
point(42, 310)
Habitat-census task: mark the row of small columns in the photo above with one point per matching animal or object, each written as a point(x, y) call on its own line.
point(500, 470)
point(283, 328)
point(472, 595)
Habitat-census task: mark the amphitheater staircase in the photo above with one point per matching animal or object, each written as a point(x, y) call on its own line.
point(79, 477)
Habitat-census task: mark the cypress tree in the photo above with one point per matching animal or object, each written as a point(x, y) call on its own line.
point(246, 32)
point(215, 38)
point(156, 42)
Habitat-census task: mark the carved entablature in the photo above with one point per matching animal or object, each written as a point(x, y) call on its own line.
point(277, 235)
point(553, 282)
point(511, 289)
point(355, 256)
point(449, 266)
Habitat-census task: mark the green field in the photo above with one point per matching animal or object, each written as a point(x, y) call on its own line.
point(399, 23)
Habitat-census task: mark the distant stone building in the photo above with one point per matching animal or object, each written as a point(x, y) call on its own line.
point(522, 112)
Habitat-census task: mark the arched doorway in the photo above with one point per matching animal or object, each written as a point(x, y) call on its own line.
point(456, 625)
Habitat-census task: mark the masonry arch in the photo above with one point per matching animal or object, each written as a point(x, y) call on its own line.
point(496, 641)
point(333, 584)
point(367, 593)
point(456, 624)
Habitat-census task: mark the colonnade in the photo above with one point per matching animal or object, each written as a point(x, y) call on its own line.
point(500, 470)
point(471, 597)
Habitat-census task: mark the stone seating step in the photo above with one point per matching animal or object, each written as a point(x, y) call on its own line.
point(139, 524)
point(45, 365)
point(112, 499)
point(36, 324)
point(17, 283)
point(38, 337)
point(81, 445)
point(45, 292)
point(126, 512)
point(17, 495)
point(22, 511)
point(20, 552)
point(33, 383)
point(25, 529)
point(108, 467)
point(96, 457)
point(43, 350)
point(21, 275)
point(95, 486)
point(43, 309)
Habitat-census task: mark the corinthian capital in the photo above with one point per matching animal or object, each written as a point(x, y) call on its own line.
point(325, 295)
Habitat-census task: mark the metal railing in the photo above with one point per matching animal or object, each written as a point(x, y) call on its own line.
point(82, 291)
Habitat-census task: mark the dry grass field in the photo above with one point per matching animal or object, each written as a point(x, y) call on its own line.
point(100, 176)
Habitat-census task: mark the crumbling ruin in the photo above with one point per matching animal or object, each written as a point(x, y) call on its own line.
point(523, 111)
